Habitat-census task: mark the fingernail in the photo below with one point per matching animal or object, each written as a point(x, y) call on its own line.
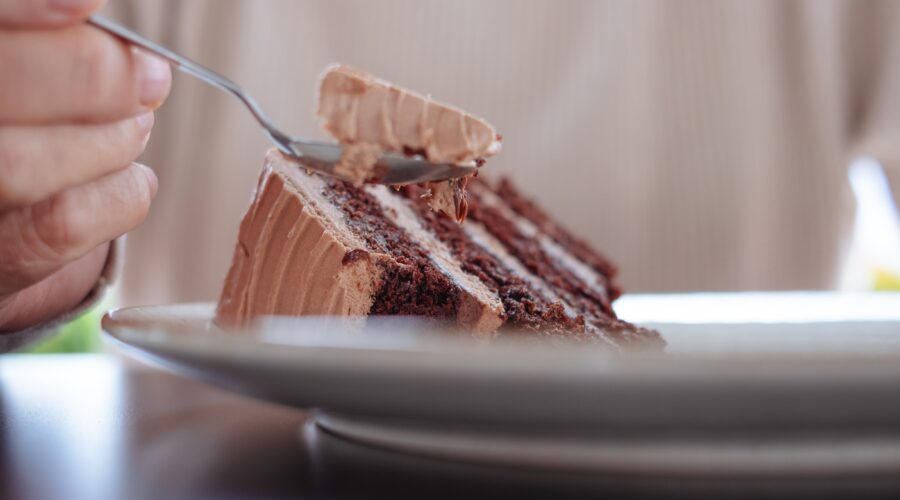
point(145, 122)
point(152, 181)
point(145, 126)
point(154, 77)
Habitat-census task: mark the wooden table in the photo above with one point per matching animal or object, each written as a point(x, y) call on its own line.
point(97, 426)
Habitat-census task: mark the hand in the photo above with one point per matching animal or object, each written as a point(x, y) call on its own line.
point(76, 109)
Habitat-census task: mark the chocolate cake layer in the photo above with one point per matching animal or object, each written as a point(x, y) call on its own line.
point(576, 246)
point(582, 287)
point(308, 245)
point(525, 304)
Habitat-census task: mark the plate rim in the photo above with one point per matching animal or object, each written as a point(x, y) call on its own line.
point(319, 380)
point(682, 366)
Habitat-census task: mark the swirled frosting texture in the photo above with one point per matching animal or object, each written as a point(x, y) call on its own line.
point(288, 223)
point(355, 107)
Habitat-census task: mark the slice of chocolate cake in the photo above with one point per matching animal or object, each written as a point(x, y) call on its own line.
point(310, 245)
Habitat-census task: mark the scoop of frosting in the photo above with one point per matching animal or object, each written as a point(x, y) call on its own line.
point(355, 107)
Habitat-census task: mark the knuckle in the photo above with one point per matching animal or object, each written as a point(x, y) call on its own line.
point(14, 174)
point(142, 196)
point(54, 230)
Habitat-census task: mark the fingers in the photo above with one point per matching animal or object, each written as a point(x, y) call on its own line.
point(55, 294)
point(45, 13)
point(75, 105)
point(76, 74)
point(40, 239)
point(36, 162)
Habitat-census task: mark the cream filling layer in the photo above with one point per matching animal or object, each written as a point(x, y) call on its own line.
point(548, 245)
point(481, 309)
point(483, 238)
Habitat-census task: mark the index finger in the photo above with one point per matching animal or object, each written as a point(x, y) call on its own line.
point(45, 13)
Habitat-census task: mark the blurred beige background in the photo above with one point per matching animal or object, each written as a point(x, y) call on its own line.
point(702, 145)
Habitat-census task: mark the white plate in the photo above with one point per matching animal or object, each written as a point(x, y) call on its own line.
point(758, 384)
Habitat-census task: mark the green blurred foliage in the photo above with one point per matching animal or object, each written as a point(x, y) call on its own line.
point(885, 280)
point(80, 335)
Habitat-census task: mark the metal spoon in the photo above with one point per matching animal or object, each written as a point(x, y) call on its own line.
point(315, 155)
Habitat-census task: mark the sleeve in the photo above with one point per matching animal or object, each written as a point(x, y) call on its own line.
point(111, 270)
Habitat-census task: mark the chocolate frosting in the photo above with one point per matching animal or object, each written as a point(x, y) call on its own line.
point(355, 107)
point(289, 221)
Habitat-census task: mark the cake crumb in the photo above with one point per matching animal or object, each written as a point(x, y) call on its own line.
point(448, 197)
point(354, 255)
